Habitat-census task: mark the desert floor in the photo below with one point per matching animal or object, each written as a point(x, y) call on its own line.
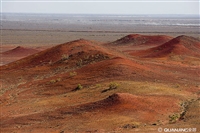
point(60, 81)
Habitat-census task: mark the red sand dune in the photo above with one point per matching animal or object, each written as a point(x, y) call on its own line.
point(20, 51)
point(122, 101)
point(82, 58)
point(137, 39)
point(115, 68)
point(40, 92)
point(145, 109)
point(181, 45)
point(135, 105)
point(16, 54)
point(67, 53)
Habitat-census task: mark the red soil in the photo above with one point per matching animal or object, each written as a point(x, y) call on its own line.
point(20, 51)
point(143, 109)
point(15, 54)
point(181, 45)
point(39, 93)
point(125, 102)
point(69, 53)
point(136, 39)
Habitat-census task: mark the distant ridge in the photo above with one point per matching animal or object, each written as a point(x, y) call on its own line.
point(181, 45)
point(137, 39)
point(20, 51)
point(68, 53)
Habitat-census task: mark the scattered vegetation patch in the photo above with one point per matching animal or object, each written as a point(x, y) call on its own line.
point(98, 85)
point(54, 80)
point(79, 86)
point(185, 105)
point(177, 86)
point(71, 74)
point(112, 86)
point(88, 59)
point(79, 62)
point(173, 118)
point(64, 57)
point(131, 125)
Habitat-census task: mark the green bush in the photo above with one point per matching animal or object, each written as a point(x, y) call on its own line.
point(113, 85)
point(79, 86)
point(173, 118)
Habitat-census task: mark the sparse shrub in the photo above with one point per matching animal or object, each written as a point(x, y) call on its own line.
point(65, 57)
point(177, 86)
point(87, 57)
point(113, 85)
point(71, 74)
point(98, 85)
point(58, 79)
point(79, 62)
point(54, 80)
point(173, 118)
point(131, 125)
point(79, 86)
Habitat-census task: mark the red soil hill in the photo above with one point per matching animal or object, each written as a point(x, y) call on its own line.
point(128, 104)
point(181, 45)
point(20, 51)
point(136, 39)
point(73, 53)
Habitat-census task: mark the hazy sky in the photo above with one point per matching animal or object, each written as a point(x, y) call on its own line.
point(102, 6)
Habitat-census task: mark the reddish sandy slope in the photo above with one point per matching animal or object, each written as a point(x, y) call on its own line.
point(20, 51)
point(181, 45)
point(137, 39)
point(85, 86)
point(16, 54)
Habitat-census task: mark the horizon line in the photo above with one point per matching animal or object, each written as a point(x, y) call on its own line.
point(99, 1)
point(90, 13)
